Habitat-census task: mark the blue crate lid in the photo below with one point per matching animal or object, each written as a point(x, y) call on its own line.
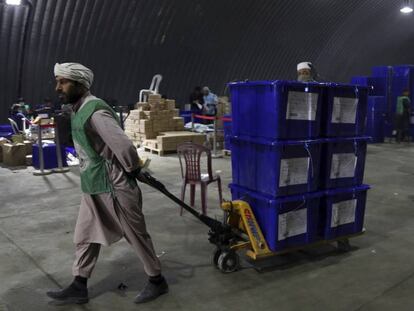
point(274, 83)
point(348, 86)
point(273, 200)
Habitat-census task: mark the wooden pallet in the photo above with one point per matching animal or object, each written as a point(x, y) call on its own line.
point(227, 152)
point(160, 152)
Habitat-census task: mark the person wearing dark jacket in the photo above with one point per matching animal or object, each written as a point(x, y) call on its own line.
point(196, 100)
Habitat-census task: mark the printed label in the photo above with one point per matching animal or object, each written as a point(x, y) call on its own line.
point(343, 165)
point(343, 213)
point(302, 106)
point(344, 110)
point(292, 223)
point(293, 171)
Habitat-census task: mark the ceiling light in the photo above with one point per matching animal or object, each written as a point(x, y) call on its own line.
point(14, 2)
point(407, 7)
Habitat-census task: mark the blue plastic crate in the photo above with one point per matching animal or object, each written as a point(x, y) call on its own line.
point(276, 109)
point(186, 115)
point(345, 110)
point(378, 85)
point(381, 71)
point(342, 212)
point(276, 168)
point(6, 128)
point(286, 222)
point(376, 118)
point(49, 156)
point(343, 162)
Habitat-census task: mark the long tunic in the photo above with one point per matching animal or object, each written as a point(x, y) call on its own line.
point(98, 220)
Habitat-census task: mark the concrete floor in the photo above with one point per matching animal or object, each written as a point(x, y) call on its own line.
point(37, 217)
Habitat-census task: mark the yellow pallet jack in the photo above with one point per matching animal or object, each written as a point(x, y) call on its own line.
point(238, 231)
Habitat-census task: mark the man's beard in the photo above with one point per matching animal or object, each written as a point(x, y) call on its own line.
point(69, 98)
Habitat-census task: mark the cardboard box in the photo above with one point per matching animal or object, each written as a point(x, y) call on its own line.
point(150, 114)
point(2, 142)
point(154, 97)
point(145, 126)
point(17, 138)
point(29, 147)
point(170, 104)
point(29, 160)
point(14, 154)
point(176, 112)
point(141, 106)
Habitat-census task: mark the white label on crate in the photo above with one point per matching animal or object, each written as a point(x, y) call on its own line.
point(343, 213)
point(292, 224)
point(302, 106)
point(293, 171)
point(343, 165)
point(344, 110)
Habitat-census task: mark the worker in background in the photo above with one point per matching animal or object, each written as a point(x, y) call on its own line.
point(47, 107)
point(306, 72)
point(26, 108)
point(210, 103)
point(196, 100)
point(111, 204)
point(402, 117)
point(17, 115)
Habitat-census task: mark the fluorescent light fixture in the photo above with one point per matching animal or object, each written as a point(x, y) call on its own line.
point(406, 10)
point(407, 7)
point(14, 2)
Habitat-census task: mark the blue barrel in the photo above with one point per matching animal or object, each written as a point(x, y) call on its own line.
point(276, 109)
point(343, 162)
point(286, 222)
point(276, 168)
point(376, 118)
point(342, 212)
point(49, 156)
point(345, 110)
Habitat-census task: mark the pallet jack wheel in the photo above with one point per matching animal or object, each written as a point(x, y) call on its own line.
point(228, 262)
point(343, 245)
point(216, 256)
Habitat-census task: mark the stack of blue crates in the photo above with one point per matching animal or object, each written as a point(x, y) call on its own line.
point(298, 158)
point(387, 82)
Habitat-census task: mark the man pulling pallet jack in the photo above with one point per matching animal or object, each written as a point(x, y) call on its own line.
point(111, 204)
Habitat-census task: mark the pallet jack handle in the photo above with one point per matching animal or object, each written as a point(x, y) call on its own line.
point(146, 178)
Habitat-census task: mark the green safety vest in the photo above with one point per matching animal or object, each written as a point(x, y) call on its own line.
point(93, 168)
point(401, 100)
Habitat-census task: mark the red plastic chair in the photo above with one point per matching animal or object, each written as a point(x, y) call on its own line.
point(192, 175)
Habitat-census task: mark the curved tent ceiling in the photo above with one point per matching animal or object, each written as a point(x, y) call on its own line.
point(196, 42)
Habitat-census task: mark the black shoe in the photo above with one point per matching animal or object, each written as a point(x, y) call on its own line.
point(151, 291)
point(74, 293)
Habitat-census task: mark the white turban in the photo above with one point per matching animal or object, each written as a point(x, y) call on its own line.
point(304, 65)
point(75, 72)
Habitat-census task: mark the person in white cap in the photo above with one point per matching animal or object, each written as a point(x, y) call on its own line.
point(305, 72)
point(111, 204)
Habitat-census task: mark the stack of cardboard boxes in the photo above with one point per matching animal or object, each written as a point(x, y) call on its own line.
point(152, 117)
point(156, 125)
